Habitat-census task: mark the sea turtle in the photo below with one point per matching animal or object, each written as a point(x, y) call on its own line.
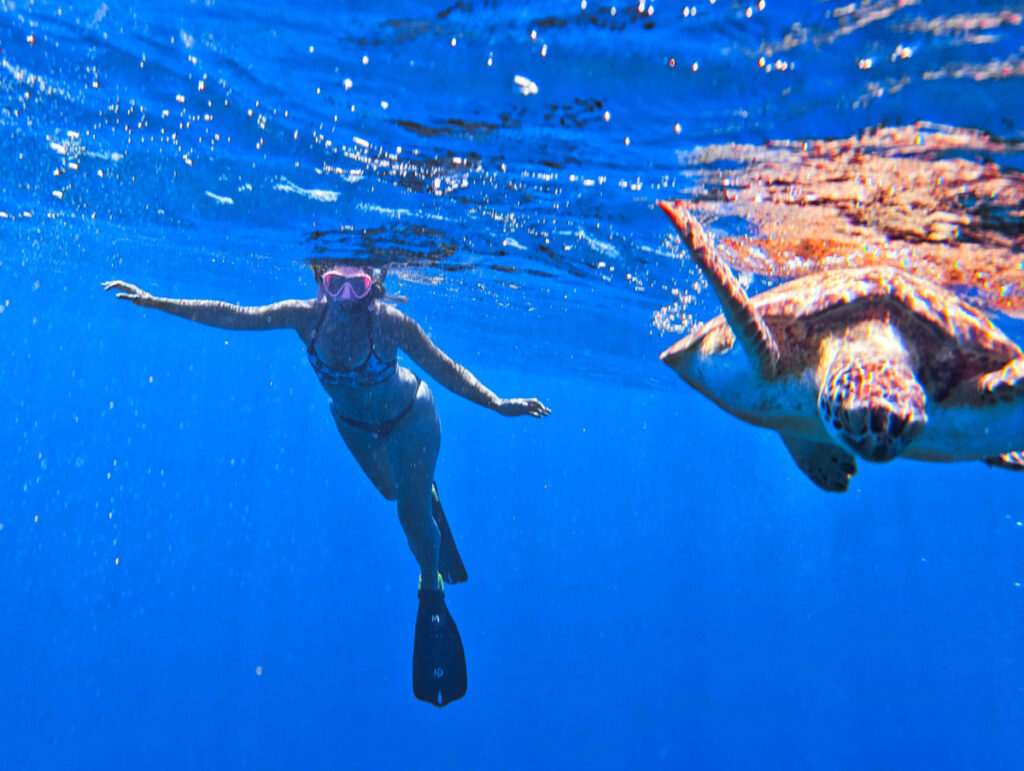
point(871, 361)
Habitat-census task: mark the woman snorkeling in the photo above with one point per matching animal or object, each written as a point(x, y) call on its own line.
point(387, 418)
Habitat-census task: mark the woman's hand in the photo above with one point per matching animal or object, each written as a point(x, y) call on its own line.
point(512, 408)
point(130, 292)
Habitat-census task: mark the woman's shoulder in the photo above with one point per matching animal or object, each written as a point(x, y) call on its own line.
point(388, 313)
point(392, 321)
point(303, 309)
point(302, 315)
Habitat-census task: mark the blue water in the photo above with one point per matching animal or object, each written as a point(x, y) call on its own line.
point(195, 574)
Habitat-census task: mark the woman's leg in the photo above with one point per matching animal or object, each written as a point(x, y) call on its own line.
point(413, 447)
point(371, 453)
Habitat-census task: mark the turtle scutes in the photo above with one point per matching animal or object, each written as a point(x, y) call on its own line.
point(871, 361)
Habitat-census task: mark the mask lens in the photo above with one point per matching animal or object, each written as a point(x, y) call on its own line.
point(360, 285)
point(333, 282)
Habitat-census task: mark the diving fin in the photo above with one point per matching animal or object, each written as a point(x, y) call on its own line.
point(438, 660)
point(449, 563)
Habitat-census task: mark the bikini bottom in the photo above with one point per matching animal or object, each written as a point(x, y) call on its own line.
point(383, 428)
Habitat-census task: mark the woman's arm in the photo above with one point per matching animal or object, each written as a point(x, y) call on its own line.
point(289, 314)
point(411, 338)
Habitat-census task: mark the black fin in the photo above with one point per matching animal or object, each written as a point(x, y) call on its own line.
point(449, 563)
point(438, 660)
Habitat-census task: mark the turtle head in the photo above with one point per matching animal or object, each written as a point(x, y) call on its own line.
point(874, 407)
point(710, 360)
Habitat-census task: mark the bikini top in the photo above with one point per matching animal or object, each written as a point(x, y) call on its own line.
point(373, 371)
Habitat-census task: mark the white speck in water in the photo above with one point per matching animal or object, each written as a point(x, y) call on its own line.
point(223, 200)
point(526, 86)
point(366, 60)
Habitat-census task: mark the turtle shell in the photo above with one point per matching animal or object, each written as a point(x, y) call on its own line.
point(952, 341)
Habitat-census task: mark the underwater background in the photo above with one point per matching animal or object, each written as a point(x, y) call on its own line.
point(194, 573)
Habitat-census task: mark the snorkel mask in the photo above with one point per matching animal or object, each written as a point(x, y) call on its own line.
point(351, 286)
point(342, 287)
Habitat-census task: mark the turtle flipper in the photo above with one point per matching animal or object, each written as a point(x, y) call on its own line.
point(1003, 385)
point(828, 465)
point(744, 320)
point(1012, 461)
point(874, 406)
